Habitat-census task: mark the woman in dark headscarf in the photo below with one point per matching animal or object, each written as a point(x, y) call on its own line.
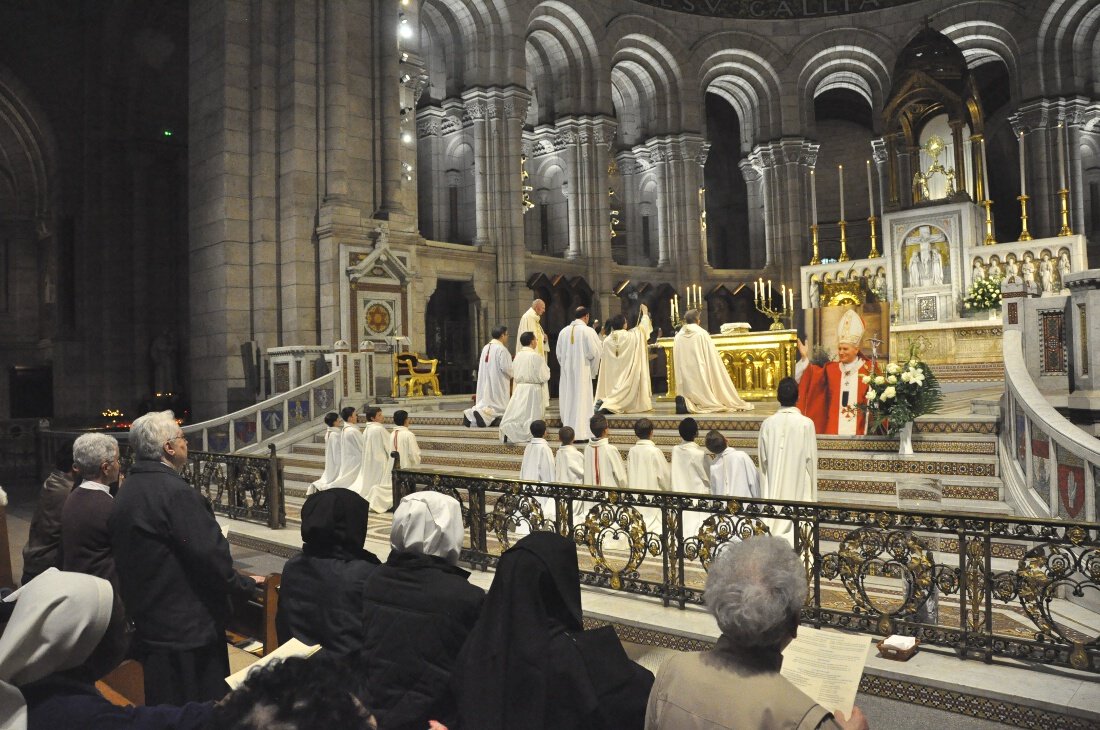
point(528, 662)
point(321, 595)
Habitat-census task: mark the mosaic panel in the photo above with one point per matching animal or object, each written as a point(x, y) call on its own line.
point(244, 431)
point(1071, 484)
point(324, 399)
point(217, 439)
point(1083, 336)
point(1020, 425)
point(298, 408)
point(1040, 462)
point(272, 419)
point(282, 377)
point(948, 468)
point(1052, 334)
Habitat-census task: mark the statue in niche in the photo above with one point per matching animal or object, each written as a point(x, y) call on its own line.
point(1012, 270)
point(978, 272)
point(995, 271)
point(1046, 274)
point(163, 353)
point(1063, 266)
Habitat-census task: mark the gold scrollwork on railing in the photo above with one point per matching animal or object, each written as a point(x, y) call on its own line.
point(610, 522)
point(899, 554)
point(719, 529)
point(1047, 570)
point(513, 511)
point(975, 594)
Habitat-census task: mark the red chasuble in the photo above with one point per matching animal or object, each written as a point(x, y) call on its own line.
point(819, 396)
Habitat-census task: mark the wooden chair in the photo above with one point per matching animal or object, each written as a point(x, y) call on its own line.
point(415, 372)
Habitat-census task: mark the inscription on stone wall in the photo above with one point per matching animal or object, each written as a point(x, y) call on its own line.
point(773, 9)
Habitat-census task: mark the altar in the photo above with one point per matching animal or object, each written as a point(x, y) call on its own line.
point(755, 361)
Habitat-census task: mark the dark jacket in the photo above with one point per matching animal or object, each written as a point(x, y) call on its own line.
point(173, 563)
point(321, 601)
point(43, 548)
point(417, 611)
point(85, 540)
point(59, 701)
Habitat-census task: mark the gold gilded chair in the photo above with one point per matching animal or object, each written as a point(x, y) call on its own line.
point(414, 373)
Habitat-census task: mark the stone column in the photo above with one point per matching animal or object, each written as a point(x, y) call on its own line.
point(785, 166)
point(388, 75)
point(1038, 120)
point(1079, 114)
point(496, 115)
point(754, 182)
point(678, 160)
point(961, 183)
point(334, 91)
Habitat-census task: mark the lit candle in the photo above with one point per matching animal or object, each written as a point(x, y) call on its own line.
point(1023, 179)
point(755, 292)
point(790, 299)
point(813, 197)
point(771, 294)
point(840, 170)
point(1062, 156)
point(870, 192)
point(985, 171)
point(699, 295)
point(782, 295)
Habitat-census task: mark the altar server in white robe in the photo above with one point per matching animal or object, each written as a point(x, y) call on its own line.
point(647, 468)
point(569, 461)
point(603, 465)
point(690, 467)
point(530, 374)
point(376, 476)
point(701, 379)
point(404, 440)
point(578, 351)
point(732, 473)
point(332, 453)
point(494, 382)
point(351, 451)
point(623, 385)
point(531, 321)
point(538, 464)
point(787, 449)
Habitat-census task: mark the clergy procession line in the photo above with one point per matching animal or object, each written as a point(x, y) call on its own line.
point(513, 396)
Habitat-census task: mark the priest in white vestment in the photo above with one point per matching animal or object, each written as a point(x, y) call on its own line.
point(701, 379)
point(530, 374)
point(732, 473)
point(494, 382)
point(623, 385)
point(404, 441)
point(647, 468)
point(578, 351)
point(332, 453)
point(787, 450)
point(569, 461)
point(376, 476)
point(351, 451)
point(531, 321)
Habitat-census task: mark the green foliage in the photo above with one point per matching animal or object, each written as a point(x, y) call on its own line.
point(983, 294)
point(901, 393)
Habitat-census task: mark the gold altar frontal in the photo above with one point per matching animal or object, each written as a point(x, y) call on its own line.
point(755, 361)
point(951, 344)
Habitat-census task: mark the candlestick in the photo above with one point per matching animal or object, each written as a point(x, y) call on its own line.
point(988, 205)
point(1023, 178)
point(1061, 156)
point(813, 197)
point(815, 259)
point(755, 292)
point(870, 192)
point(1065, 230)
point(840, 171)
point(843, 241)
point(790, 299)
point(1025, 235)
point(985, 172)
point(874, 254)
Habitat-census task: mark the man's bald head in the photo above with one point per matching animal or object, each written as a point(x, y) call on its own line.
point(539, 306)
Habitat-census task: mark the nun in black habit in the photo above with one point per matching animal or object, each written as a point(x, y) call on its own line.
point(529, 664)
point(321, 594)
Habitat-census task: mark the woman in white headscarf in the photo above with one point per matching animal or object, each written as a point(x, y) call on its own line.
point(67, 630)
point(418, 608)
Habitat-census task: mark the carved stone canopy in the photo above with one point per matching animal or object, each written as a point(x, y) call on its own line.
point(381, 261)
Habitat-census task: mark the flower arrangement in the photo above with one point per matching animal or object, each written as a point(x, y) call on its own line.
point(984, 293)
point(900, 394)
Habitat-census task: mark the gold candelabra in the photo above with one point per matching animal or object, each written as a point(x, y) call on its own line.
point(765, 303)
point(989, 238)
point(816, 259)
point(1025, 235)
point(843, 240)
point(874, 254)
point(1065, 230)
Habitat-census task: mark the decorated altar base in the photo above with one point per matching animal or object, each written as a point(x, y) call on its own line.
point(931, 257)
point(755, 361)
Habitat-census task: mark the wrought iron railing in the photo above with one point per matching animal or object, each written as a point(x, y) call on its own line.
point(986, 586)
point(246, 488)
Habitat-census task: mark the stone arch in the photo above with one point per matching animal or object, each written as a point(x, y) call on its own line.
point(1068, 46)
point(740, 67)
point(982, 32)
point(651, 47)
point(28, 149)
point(479, 37)
point(853, 58)
point(560, 46)
point(443, 28)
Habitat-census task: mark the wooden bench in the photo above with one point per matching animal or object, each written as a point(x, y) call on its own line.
point(414, 373)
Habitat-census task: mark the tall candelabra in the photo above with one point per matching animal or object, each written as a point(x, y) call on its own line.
point(990, 239)
point(874, 254)
point(1065, 230)
point(816, 259)
point(765, 303)
point(1025, 234)
point(843, 241)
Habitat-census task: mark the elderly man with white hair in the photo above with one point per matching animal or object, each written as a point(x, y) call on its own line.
point(174, 569)
point(755, 590)
point(85, 539)
point(531, 321)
